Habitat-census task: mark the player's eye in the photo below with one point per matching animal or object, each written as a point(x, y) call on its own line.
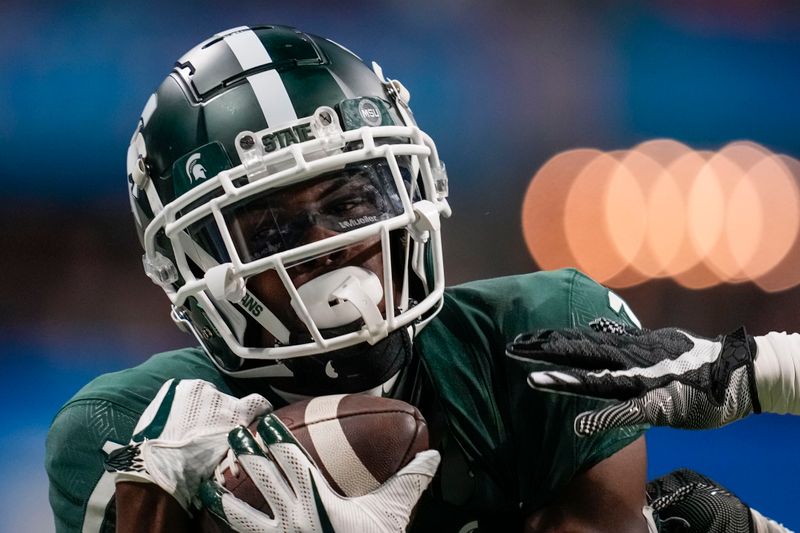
point(342, 206)
point(266, 240)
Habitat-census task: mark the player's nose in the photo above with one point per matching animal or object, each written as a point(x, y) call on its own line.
point(316, 232)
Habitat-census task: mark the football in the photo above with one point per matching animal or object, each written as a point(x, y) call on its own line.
point(357, 441)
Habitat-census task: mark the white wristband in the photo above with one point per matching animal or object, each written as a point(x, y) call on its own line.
point(777, 368)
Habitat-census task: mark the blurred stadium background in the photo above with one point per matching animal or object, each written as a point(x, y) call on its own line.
point(503, 88)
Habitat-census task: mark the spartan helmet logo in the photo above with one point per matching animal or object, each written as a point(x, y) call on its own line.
point(194, 169)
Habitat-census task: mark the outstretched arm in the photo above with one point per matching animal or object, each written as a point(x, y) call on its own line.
point(667, 377)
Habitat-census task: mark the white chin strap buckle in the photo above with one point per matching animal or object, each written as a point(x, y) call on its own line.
point(342, 296)
point(223, 284)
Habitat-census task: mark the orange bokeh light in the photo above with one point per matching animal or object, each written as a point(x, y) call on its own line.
point(543, 208)
point(683, 172)
point(664, 213)
point(664, 210)
point(778, 197)
point(786, 274)
point(594, 196)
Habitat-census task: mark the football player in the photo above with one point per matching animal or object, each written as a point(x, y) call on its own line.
point(290, 207)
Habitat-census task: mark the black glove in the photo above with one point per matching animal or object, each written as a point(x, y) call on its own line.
point(687, 502)
point(664, 377)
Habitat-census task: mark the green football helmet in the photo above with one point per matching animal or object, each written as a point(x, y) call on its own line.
point(267, 150)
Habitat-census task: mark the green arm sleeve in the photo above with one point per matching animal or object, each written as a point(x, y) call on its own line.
point(80, 489)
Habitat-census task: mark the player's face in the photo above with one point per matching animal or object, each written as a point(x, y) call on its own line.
point(306, 213)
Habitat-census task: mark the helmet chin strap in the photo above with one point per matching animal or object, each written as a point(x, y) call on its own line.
point(354, 369)
point(384, 390)
point(342, 296)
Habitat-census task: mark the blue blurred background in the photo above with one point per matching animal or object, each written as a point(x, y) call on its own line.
point(501, 86)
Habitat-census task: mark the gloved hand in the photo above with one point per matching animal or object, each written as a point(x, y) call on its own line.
point(182, 436)
point(687, 502)
point(665, 377)
point(300, 497)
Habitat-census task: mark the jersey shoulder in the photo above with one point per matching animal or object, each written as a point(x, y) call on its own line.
point(545, 299)
point(482, 317)
point(96, 420)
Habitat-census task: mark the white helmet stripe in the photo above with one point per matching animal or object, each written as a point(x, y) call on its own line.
point(247, 48)
point(268, 87)
point(272, 97)
point(149, 107)
point(229, 31)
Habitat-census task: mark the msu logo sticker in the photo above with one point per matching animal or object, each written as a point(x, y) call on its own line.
point(369, 112)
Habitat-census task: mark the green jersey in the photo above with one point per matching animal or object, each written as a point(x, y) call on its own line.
point(507, 450)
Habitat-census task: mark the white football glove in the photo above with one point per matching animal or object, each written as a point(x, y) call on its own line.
point(299, 496)
point(182, 436)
